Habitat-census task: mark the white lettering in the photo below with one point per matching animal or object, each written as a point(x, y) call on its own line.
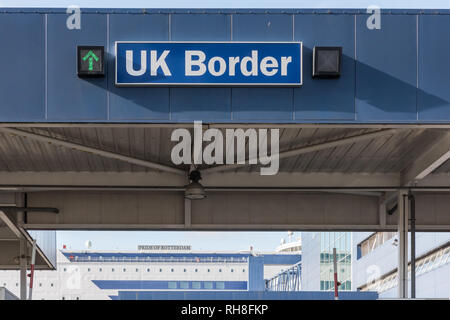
point(240, 136)
point(74, 20)
point(233, 61)
point(284, 62)
point(215, 147)
point(274, 158)
point(222, 66)
point(130, 66)
point(374, 20)
point(236, 140)
point(269, 62)
point(189, 63)
point(253, 62)
point(181, 152)
point(156, 63)
point(198, 142)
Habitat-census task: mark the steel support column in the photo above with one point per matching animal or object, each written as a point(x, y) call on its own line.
point(403, 243)
point(412, 208)
point(23, 268)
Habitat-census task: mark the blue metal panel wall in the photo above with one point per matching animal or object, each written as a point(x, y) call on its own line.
point(280, 258)
point(164, 285)
point(326, 99)
point(386, 70)
point(256, 274)
point(400, 73)
point(434, 68)
point(243, 295)
point(135, 103)
point(207, 104)
point(22, 65)
point(69, 97)
point(262, 104)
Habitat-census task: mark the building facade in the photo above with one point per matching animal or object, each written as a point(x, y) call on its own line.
point(317, 260)
point(82, 275)
point(376, 260)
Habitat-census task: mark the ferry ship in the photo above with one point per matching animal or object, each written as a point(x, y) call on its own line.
point(102, 275)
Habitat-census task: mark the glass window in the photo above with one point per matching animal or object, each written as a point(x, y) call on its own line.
point(172, 285)
point(89, 269)
point(196, 285)
point(220, 285)
point(100, 269)
point(171, 270)
point(124, 269)
point(148, 270)
point(208, 285)
point(374, 241)
point(184, 285)
point(112, 269)
point(196, 270)
point(160, 270)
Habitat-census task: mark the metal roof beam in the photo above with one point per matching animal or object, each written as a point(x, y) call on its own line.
point(103, 153)
point(10, 225)
point(38, 181)
point(437, 153)
point(310, 148)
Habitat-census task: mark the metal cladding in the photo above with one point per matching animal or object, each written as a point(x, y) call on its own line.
point(399, 73)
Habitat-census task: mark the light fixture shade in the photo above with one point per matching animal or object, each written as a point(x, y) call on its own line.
point(194, 191)
point(327, 62)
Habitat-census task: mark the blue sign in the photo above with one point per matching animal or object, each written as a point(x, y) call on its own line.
point(209, 63)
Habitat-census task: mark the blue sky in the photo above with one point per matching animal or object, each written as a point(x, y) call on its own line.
point(421, 4)
point(129, 240)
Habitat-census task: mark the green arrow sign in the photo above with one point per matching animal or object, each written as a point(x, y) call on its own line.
point(91, 56)
point(90, 61)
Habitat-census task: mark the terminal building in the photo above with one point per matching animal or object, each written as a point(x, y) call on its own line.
point(367, 261)
point(375, 269)
point(317, 260)
point(87, 275)
point(108, 116)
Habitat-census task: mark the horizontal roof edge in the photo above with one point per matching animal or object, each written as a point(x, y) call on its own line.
point(223, 11)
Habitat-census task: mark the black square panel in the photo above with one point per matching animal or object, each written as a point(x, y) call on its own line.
point(327, 62)
point(90, 61)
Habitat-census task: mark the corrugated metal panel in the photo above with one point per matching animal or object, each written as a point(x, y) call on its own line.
point(385, 154)
point(403, 88)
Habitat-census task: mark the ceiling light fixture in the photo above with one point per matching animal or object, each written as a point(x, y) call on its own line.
point(194, 190)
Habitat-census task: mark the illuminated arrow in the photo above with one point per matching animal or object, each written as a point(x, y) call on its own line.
point(91, 56)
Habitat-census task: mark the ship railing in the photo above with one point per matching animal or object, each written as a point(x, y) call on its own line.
point(286, 280)
point(161, 259)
